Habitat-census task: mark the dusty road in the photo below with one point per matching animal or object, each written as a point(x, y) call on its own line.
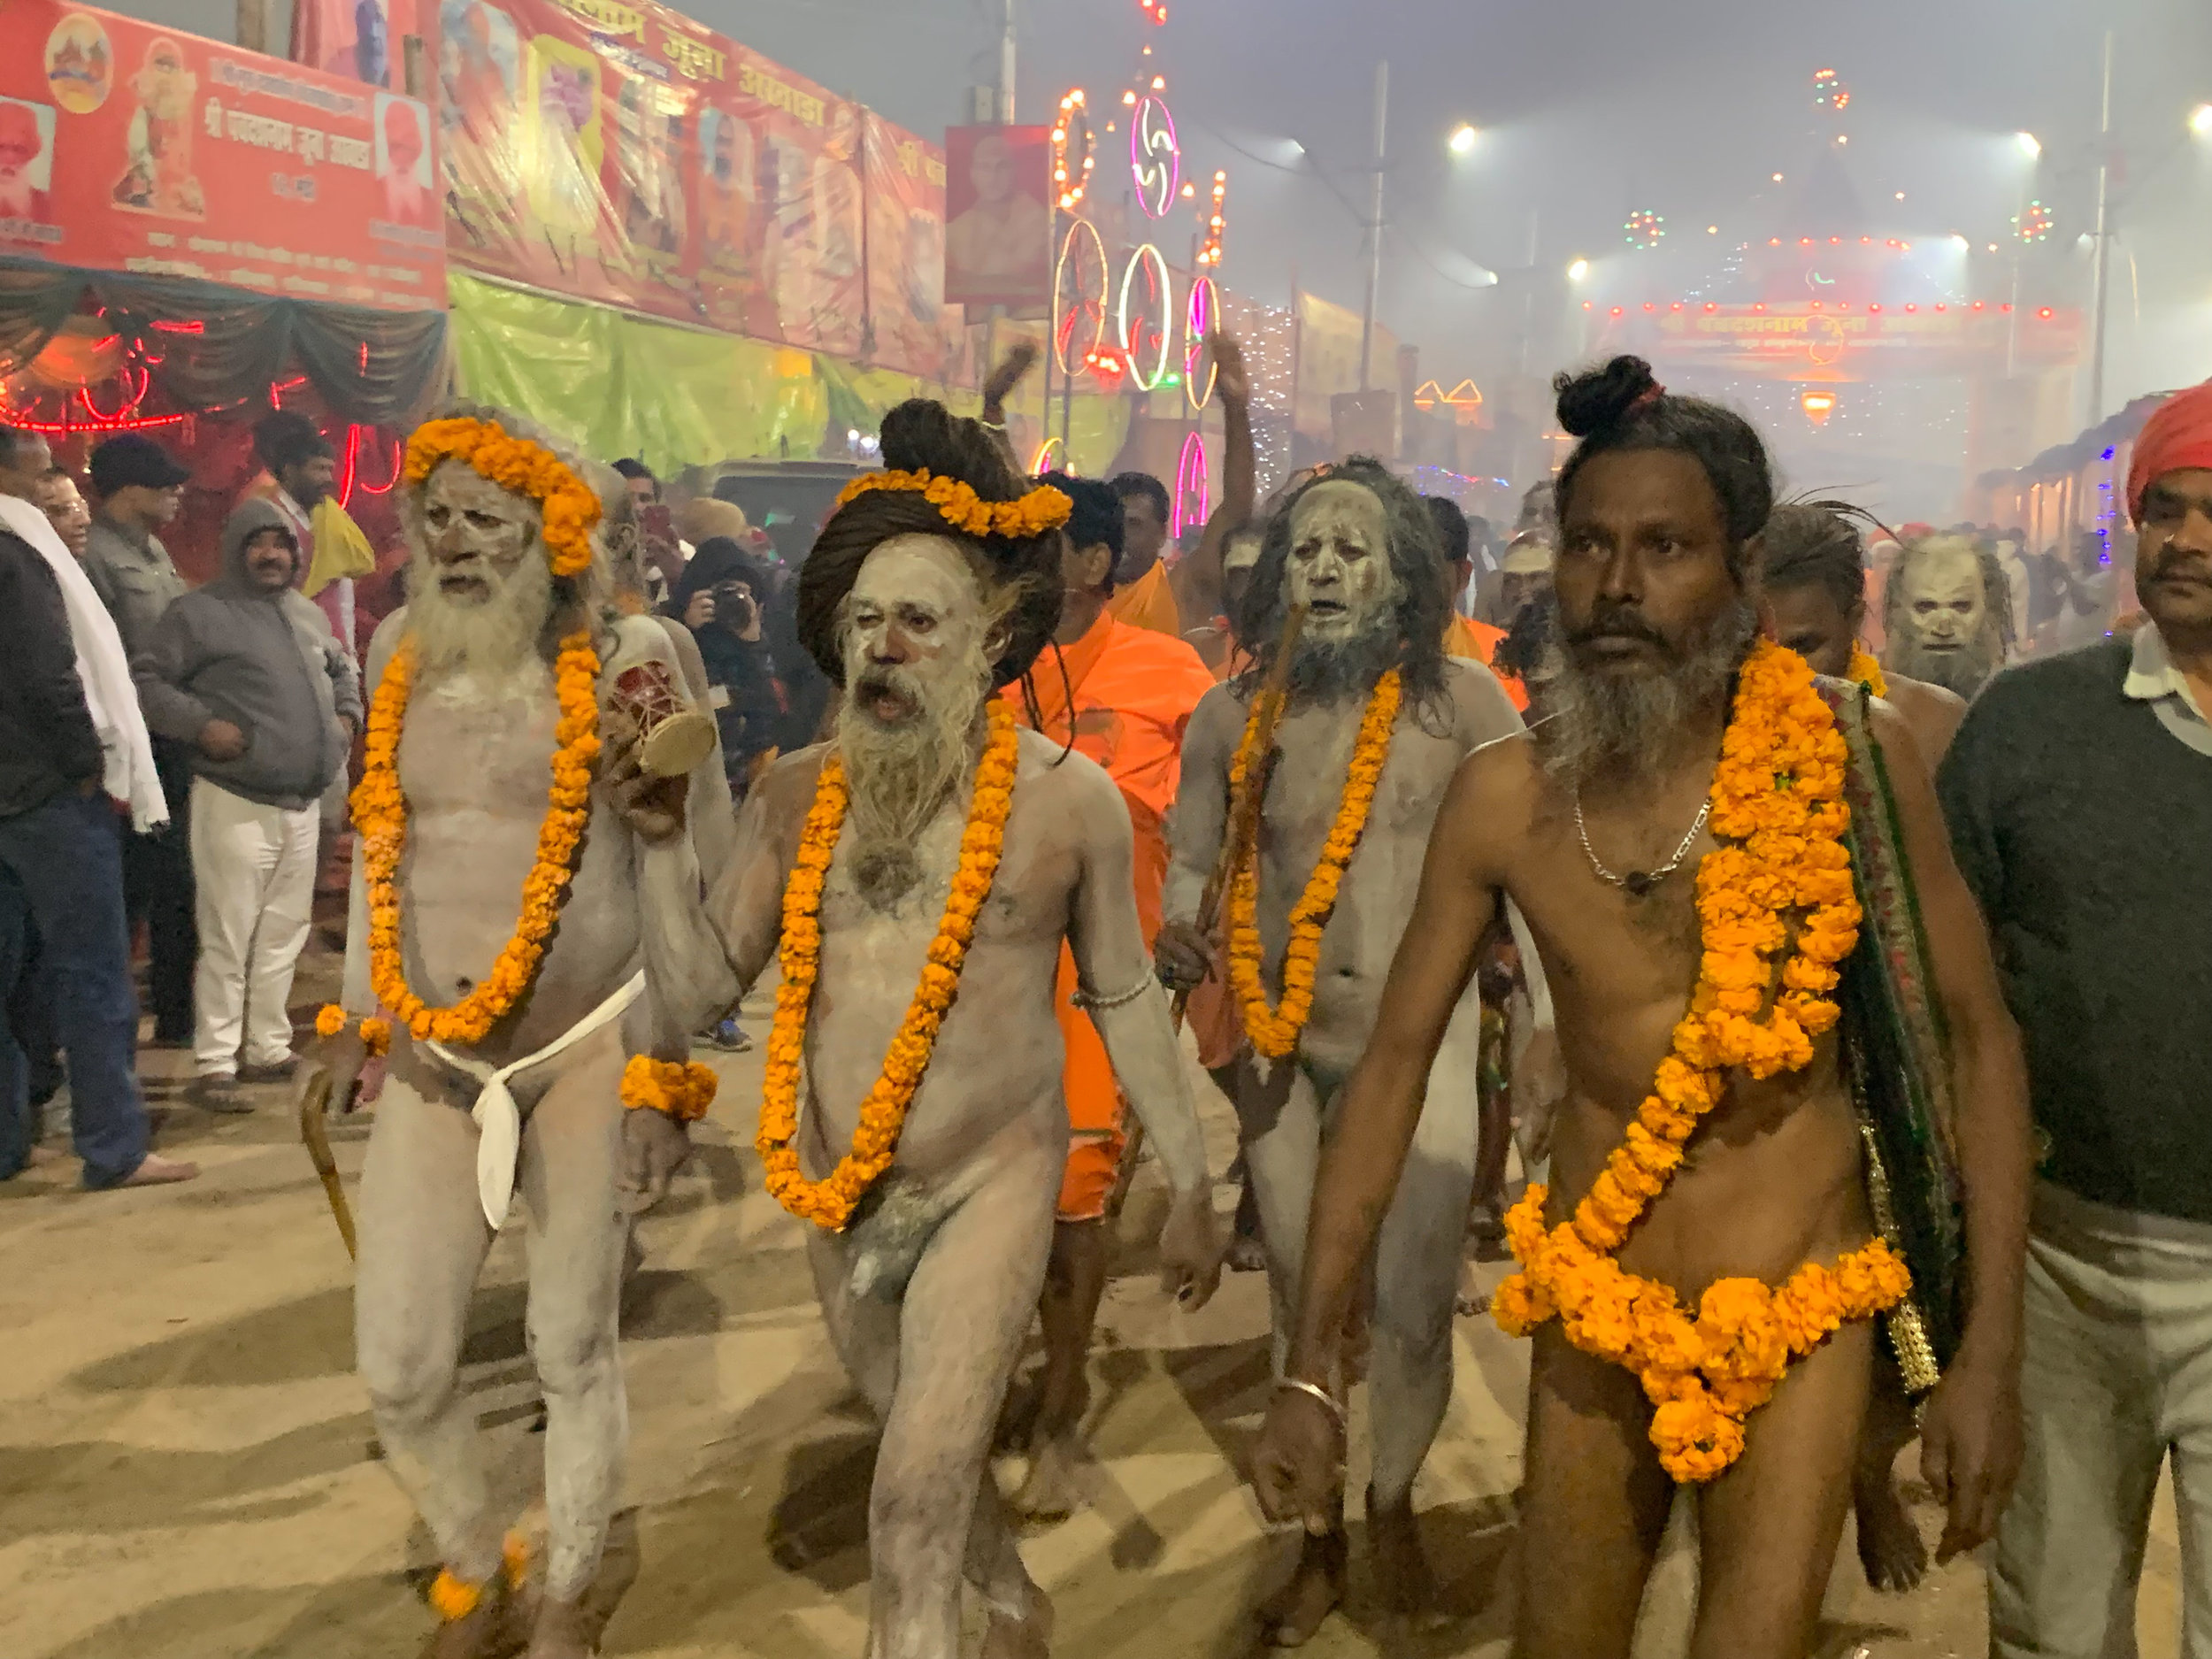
point(186, 1469)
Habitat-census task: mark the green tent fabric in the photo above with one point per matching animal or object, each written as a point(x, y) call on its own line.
point(619, 384)
point(859, 397)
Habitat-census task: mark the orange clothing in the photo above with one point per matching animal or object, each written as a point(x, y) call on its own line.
point(1149, 603)
point(1478, 643)
point(1134, 692)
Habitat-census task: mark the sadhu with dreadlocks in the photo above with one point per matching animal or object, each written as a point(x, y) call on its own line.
point(1741, 887)
point(1375, 721)
point(1816, 602)
point(917, 875)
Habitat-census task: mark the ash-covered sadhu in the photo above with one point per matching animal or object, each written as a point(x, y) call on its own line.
point(916, 876)
point(1725, 862)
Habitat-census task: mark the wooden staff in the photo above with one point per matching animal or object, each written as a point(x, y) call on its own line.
point(313, 1098)
point(1243, 832)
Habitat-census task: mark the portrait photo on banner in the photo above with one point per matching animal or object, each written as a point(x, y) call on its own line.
point(998, 232)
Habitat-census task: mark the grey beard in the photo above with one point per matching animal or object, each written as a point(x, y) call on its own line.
point(1604, 724)
point(1965, 671)
point(1331, 671)
point(898, 778)
point(488, 642)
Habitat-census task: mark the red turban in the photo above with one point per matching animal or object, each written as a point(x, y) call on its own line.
point(2177, 436)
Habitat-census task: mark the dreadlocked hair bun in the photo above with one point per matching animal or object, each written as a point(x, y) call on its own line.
point(1598, 399)
point(921, 434)
point(1022, 576)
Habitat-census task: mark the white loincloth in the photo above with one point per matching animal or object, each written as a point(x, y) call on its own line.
point(499, 1120)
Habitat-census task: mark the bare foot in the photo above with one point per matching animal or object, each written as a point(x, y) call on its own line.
point(1053, 1491)
point(1009, 1637)
point(1402, 1575)
point(1017, 1417)
point(1890, 1550)
point(154, 1170)
point(1246, 1255)
point(562, 1631)
point(42, 1158)
point(1289, 1618)
point(480, 1633)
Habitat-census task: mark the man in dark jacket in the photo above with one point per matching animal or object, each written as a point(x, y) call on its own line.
point(61, 872)
point(249, 673)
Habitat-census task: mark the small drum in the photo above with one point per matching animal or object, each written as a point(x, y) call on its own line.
point(676, 736)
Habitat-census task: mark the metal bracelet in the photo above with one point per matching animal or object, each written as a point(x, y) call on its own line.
point(1091, 1000)
point(1318, 1391)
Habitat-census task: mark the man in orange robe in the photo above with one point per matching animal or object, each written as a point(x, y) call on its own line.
point(1143, 597)
point(1123, 694)
point(1476, 641)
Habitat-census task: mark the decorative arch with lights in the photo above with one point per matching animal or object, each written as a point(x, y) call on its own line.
point(1072, 309)
point(1200, 318)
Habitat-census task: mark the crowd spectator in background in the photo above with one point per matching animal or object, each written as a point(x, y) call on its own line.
point(720, 600)
point(1476, 641)
point(299, 472)
point(61, 876)
point(1143, 597)
point(663, 552)
point(57, 496)
point(138, 489)
point(248, 672)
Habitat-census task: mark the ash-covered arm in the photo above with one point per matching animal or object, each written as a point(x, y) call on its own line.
point(1112, 966)
point(1200, 817)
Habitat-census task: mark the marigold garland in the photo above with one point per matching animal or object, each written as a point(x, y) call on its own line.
point(1778, 809)
point(1866, 670)
point(569, 508)
point(1042, 509)
point(682, 1089)
point(455, 1598)
point(829, 1202)
point(376, 1035)
point(1274, 1030)
point(379, 814)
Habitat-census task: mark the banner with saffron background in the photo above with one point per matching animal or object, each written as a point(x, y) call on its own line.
point(627, 155)
point(125, 146)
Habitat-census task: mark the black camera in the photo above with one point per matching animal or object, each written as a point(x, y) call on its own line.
point(733, 605)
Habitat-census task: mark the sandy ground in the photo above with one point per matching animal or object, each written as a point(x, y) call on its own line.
point(186, 1469)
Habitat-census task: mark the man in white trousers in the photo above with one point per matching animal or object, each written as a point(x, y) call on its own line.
point(248, 674)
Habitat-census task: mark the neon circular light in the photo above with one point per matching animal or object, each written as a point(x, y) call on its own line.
point(1163, 293)
point(1040, 462)
point(1065, 318)
point(1199, 317)
point(1073, 180)
point(1155, 156)
point(1191, 479)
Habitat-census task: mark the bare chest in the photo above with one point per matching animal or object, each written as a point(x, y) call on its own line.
point(459, 755)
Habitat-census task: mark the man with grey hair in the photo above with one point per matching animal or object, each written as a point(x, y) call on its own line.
point(1947, 614)
point(508, 1046)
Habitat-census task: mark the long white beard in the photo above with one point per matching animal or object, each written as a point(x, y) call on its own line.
point(486, 641)
point(1965, 671)
point(898, 777)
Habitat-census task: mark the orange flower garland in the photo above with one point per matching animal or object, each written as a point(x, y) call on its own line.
point(1274, 1030)
point(829, 1202)
point(569, 506)
point(380, 813)
point(1866, 671)
point(455, 1598)
point(1042, 509)
point(682, 1089)
point(1778, 805)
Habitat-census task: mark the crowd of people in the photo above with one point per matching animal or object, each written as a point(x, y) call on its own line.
point(1808, 992)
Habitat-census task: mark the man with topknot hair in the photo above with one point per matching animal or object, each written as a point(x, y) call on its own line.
point(1762, 1149)
point(919, 874)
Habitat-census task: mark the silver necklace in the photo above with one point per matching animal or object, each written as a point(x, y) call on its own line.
point(1636, 883)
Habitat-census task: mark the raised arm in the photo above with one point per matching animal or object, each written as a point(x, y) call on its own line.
point(1114, 973)
point(1969, 1431)
point(1297, 1464)
point(1240, 478)
point(1017, 362)
point(1196, 825)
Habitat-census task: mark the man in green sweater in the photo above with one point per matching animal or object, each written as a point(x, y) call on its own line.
point(2079, 795)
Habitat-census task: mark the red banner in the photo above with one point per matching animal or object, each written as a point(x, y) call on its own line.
point(127, 147)
point(911, 327)
point(625, 154)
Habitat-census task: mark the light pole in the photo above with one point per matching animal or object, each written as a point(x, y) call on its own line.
point(2104, 243)
point(1375, 229)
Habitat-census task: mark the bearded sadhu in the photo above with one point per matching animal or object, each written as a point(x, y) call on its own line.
point(916, 876)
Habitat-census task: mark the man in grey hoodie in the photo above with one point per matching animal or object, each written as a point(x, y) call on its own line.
point(248, 674)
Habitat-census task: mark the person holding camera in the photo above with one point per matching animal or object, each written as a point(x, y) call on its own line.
point(718, 599)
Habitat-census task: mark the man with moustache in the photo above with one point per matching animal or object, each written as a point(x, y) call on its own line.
point(1377, 719)
point(1947, 614)
point(483, 822)
point(1662, 1354)
point(1814, 584)
point(925, 866)
point(2079, 795)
